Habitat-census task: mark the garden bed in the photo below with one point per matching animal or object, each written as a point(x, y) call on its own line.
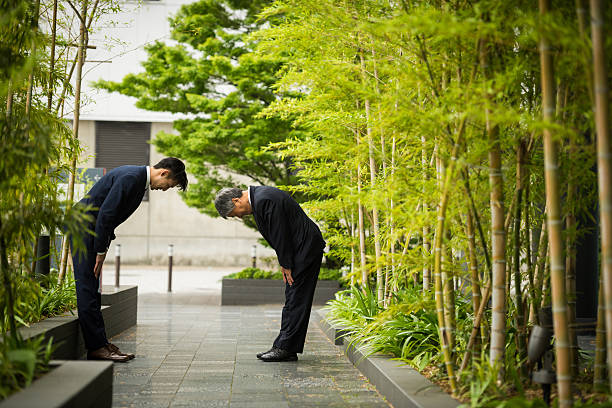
point(119, 310)
point(400, 384)
point(263, 291)
point(78, 384)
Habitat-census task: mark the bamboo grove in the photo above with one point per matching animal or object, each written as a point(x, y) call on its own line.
point(42, 52)
point(457, 147)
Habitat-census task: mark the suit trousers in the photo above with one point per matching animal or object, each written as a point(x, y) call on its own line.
point(89, 300)
point(298, 302)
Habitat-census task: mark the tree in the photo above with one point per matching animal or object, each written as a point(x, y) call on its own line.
point(212, 76)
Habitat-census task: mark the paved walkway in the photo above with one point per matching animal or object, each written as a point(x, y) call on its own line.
point(190, 352)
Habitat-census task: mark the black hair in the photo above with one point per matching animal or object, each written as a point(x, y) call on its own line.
point(177, 170)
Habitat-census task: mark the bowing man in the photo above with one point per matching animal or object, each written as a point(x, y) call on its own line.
point(299, 248)
point(114, 198)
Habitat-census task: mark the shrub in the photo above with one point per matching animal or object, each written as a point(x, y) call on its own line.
point(256, 273)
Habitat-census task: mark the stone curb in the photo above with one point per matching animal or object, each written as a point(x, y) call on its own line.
point(400, 384)
point(70, 384)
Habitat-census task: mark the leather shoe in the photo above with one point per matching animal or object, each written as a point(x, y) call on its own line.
point(277, 354)
point(115, 349)
point(263, 352)
point(104, 353)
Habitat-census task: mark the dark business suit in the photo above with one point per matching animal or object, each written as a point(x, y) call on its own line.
point(114, 198)
point(299, 246)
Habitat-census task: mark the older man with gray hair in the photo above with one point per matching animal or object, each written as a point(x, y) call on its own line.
point(299, 248)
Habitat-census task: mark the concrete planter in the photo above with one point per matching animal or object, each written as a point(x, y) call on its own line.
point(263, 291)
point(119, 310)
point(70, 384)
point(401, 385)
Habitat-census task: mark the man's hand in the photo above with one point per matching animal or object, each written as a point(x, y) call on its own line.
point(287, 276)
point(99, 261)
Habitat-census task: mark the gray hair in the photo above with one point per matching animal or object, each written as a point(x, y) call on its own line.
point(223, 200)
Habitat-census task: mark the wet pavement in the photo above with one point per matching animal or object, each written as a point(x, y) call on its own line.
point(190, 352)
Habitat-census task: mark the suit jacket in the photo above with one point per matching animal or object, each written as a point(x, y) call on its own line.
point(115, 197)
point(282, 222)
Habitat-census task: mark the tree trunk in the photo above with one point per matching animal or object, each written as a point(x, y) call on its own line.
point(604, 166)
point(554, 224)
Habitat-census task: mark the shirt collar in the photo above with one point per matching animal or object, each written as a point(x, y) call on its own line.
point(249, 196)
point(148, 178)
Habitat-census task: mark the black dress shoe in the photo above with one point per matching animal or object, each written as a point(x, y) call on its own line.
point(263, 352)
point(277, 354)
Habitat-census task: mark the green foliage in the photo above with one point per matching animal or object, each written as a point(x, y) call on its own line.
point(37, 298)
point(212, 75)
point(21, 361)
point(254, 273)
point(407, 329)
point(330, 274)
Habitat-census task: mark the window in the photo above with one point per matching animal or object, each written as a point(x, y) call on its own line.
point(121, 143)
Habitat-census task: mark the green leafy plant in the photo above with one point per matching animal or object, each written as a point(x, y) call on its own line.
point(21, 361)
point(38, 297)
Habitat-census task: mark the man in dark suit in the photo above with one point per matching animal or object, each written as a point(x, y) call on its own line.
point(299, 248)
point(112, 199)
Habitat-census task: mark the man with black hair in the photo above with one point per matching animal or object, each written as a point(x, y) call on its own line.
point(299, 248)
point(113, 199)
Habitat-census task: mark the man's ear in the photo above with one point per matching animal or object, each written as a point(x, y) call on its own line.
point(164, 173)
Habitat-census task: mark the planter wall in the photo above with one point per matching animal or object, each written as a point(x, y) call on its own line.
point(70, 384)
point(264, 291)
point(119, 310)
point(401, 385)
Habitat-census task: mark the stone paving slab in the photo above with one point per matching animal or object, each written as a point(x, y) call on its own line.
point(191, 353)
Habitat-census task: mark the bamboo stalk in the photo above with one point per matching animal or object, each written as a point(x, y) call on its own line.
point(52, 57)
point(599, 374)
point(475, 330)
point(537, 289)
point(604, 166)
point(554, 224)
point(360, 228)
point(475, 276)
point(8, 288)
point(520, 325)
point(392, 231)
point(570, 257)
point(483, 242)
point(498, 237)
point(375, 223)
point(75, 130)
point(426, 232)
point(448, 291)
point(581, 13)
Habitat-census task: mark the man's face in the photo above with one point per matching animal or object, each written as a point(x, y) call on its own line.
point(163, 182)
point(241, 207)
